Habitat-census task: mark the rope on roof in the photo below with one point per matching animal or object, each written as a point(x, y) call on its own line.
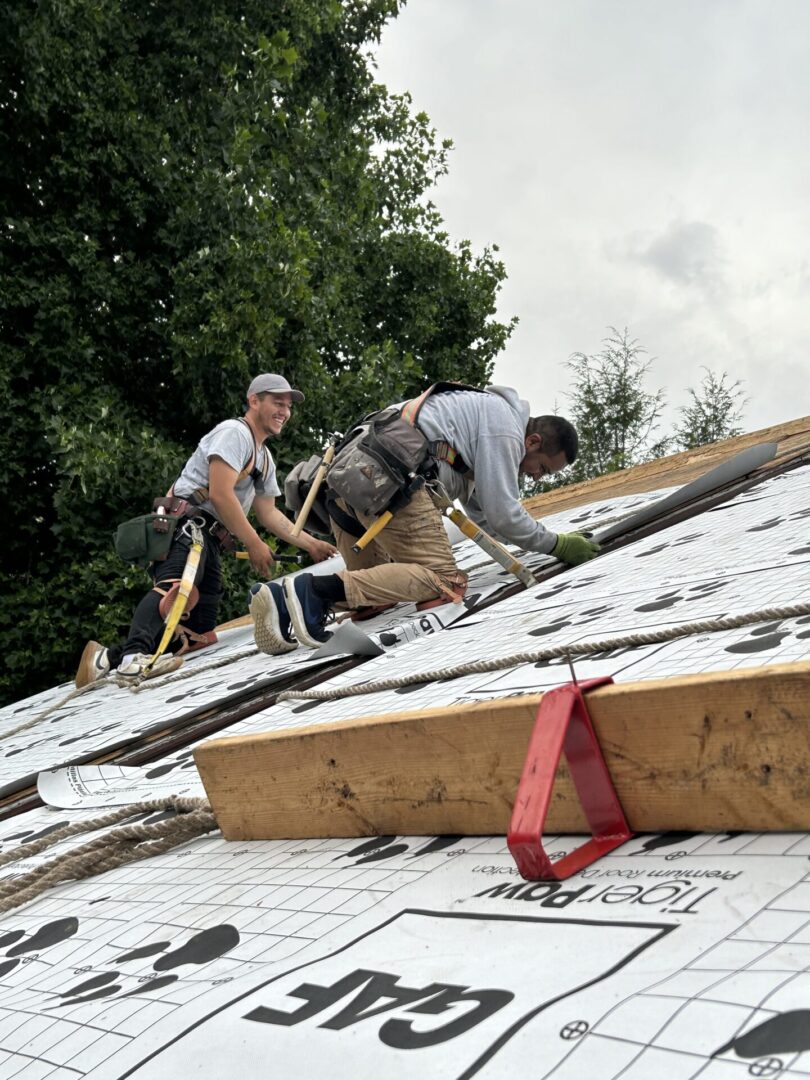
point(553, 652)
point(133, 687)
point(141, 840)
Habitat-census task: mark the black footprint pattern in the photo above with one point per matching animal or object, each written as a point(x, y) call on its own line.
point(201, 948)
point(383, 847)
point(670, 599)
point(182, 761)
point(760, 639)
point(786, 1033)
point(50, 934)
point(28, 836)
point(667, 839)
point(763, 526)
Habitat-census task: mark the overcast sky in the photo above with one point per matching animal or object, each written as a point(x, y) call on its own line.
point(639, 163)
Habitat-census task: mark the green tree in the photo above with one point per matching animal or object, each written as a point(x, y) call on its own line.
point(713, 413)
point(615, 416)
point(192, 194)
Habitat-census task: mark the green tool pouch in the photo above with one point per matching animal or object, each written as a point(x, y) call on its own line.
point(147, 539)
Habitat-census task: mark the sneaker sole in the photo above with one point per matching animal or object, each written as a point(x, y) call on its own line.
point(160, 669)
point(297, 616)
point(88, 672)
point(266, 628)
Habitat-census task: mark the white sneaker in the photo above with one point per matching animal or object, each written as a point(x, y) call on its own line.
point(133, 667)
point(94, 664)
point(271, 620)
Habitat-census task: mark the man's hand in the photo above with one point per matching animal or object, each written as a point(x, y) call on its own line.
point(319, 550)
point(261, 558)
point(574, 548)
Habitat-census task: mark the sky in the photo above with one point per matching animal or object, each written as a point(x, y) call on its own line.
point(639, 163)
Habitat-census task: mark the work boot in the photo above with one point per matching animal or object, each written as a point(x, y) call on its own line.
point(271, 619)
point(308, 611)
point(94, 664)
point(131, 668)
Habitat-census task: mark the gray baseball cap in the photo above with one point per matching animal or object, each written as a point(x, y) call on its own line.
point(273, 384)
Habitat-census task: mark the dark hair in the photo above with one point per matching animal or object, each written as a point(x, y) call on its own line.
point(559, 435)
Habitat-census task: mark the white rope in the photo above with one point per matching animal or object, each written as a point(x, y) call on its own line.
point(52, 709)
point(553, 652)
point(134, 687)
point(194, 817)
point(199, 669)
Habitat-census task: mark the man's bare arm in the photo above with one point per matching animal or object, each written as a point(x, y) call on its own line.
point(221, 483)
point(276, 522)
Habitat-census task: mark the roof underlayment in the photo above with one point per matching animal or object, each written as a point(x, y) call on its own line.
point(678, 955)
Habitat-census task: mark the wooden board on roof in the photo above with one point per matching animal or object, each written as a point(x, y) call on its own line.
point(728, 751)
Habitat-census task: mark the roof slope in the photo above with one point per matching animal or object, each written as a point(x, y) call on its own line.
point(680, 954)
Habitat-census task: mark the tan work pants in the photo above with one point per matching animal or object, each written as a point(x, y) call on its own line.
point(411, 559)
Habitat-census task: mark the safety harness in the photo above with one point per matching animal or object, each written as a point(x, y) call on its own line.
point(386, 458)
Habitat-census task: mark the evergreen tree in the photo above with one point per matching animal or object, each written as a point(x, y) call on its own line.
point(713, 413)
point(615, 416)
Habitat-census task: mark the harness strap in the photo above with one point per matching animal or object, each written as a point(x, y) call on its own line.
point(347, 521)
point(200, 495)
point(441, 450)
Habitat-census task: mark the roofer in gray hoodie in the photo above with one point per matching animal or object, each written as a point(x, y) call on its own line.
point(492, 440)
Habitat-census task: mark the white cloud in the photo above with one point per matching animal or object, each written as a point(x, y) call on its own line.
point(641, 165)
point(686, 252)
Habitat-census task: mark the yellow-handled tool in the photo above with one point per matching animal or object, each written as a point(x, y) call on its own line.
point(323, 469)
point(372, 531)
point(401, 499)
point(491, 547)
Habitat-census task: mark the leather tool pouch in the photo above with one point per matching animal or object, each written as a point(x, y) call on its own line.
point(378, 460)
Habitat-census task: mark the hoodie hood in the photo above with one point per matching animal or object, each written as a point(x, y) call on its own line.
point(518, 404)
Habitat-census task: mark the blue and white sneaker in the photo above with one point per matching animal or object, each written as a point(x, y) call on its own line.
point(271, 619)
point(308, 611)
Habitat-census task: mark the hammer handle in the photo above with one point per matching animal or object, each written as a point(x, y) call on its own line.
point(303, 513)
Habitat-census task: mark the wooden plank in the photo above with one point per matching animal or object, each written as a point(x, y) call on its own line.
point(706, 752)
point(675, 469)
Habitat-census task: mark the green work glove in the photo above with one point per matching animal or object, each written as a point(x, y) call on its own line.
point(574, 548)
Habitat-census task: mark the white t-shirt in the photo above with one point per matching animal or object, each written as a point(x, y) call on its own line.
point(232, 441)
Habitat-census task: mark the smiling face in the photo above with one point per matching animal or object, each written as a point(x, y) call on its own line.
point(538, 462)
point(270, 412)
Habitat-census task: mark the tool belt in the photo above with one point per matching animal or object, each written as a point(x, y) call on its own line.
point(380, 457)
point(214, 527)
point(148, 538)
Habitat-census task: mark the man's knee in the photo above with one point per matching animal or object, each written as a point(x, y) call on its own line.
point(204, 616)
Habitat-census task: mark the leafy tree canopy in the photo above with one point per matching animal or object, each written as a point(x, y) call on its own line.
point(191, 194)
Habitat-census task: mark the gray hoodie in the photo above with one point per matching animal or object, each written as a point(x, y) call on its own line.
point(488, 430)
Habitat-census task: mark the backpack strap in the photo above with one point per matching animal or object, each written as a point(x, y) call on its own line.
point(200, 494)
point(441, 450)
point(249, 467)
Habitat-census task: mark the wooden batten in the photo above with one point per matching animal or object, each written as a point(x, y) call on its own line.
point(722, 751)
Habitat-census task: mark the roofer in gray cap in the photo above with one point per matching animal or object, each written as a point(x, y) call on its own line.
point(231, 471)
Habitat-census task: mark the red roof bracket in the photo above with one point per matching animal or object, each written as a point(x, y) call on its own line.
point(563, 724)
